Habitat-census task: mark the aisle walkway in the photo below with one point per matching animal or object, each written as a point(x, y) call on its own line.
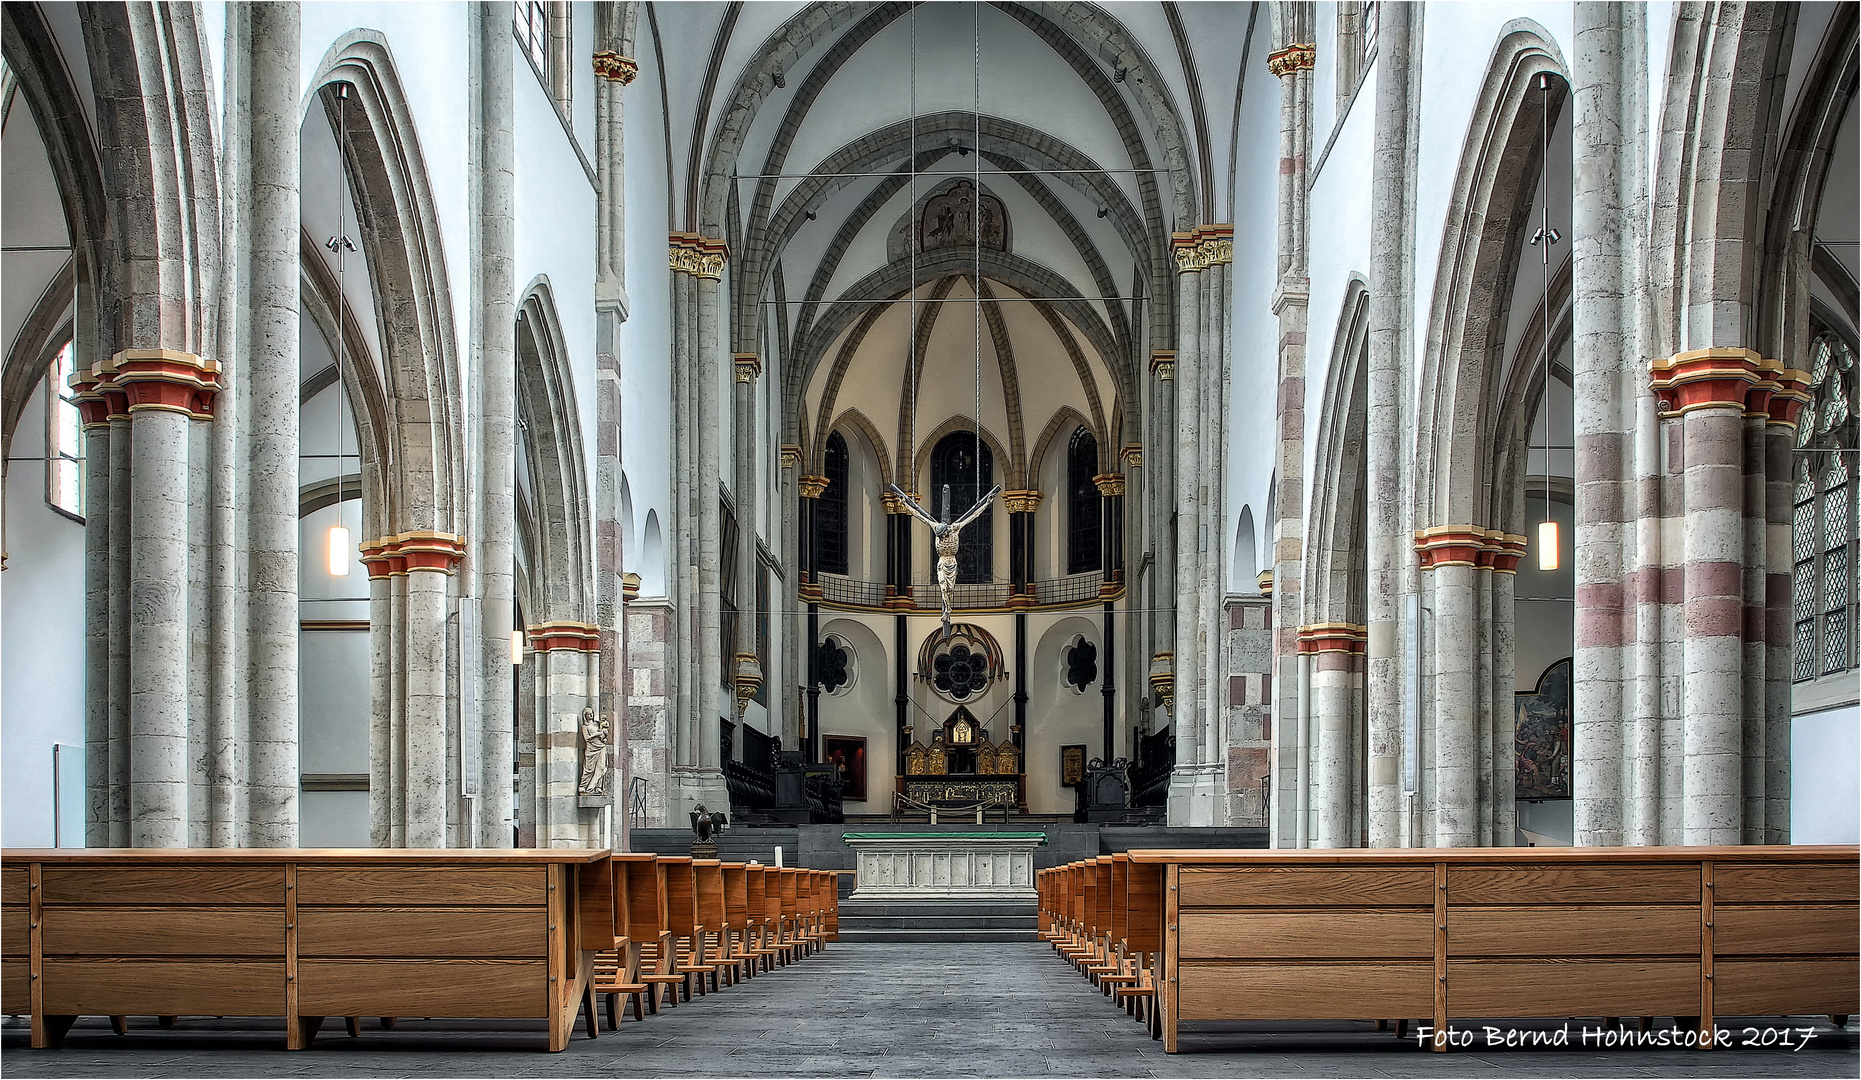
point(994, 1010)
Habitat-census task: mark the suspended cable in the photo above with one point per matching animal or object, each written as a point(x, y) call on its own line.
point(1546, 236)
point(975, 228)
point(340, 245)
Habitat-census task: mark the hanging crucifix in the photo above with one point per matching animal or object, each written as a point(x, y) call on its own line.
point(945, 533)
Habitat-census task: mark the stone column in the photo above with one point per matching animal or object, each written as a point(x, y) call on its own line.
point(811, 488)
point(1111, 545)
point(495, 555)
point(270, 370)
point(117, 674)
point(613, 72)
point(1391, 362)
point(1705, 389)
point(1334, 652)
point(746, 666)
point(98, 781)
point(1292, 64)
point(1214, 251)
point(1450, 559)
point(166, 392)
point(1187, 718)
point(1615, 699)
point(1785, 406)
point(1505, 551)
point(1162, 493)
point(383, 698)
point(561, 652)
point(789, 494)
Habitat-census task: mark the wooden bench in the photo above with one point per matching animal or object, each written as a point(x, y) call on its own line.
point(617, 969)
point(300, 935)
point(1692, 933)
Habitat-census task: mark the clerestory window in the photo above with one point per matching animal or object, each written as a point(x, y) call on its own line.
point(1823, 532)
point(64, 440)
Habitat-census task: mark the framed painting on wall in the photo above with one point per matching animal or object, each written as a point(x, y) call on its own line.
point(1072, 764)
point(847, 754)
point(1542, 737)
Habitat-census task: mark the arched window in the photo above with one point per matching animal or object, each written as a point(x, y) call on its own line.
point(968, 467)
point(64, 440)
point(1082, 504)
point(830, 514)
point(1823, 589)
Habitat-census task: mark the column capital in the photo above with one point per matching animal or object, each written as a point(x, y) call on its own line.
point(629, 587)
point(1163, 678)
point(1021, 502)
point(1299, 56)
point(749, 366)
point(790, 455)
point(1163, 364)
point(1132, 455)
point(1265, 582)
point(1332, 638)
point(403, 553)
point(93, 405)
point(1109, 484)
point(1202, 247)
point(165, 380)
point(748, 680)
point(893, 504)
point(1708, 379)
point(615, 68)
point(565, 636)
point(812, 486)
point(699, 256)
point(1450, 545)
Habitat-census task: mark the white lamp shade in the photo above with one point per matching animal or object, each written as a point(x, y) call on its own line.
point(1547, 545)
point(516, 648)
point(339, 551)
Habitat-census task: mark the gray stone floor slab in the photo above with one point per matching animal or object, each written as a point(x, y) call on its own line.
point(879, 1010)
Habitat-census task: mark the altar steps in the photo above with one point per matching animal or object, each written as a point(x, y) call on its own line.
point(948, 921)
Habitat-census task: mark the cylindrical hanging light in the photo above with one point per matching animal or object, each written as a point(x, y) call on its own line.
point(339, 548)
point(1547, 529)
point(516, 647)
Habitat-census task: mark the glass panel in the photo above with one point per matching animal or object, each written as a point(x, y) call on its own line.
point(1805, 487)
point(1803, 590)
point(1835, 642)
point(1836, 522)
point(1803, 534)
point(67, 480)
point(1803, 650)
point(1819, 360)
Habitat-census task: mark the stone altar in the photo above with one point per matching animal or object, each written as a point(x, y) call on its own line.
point(945, 865)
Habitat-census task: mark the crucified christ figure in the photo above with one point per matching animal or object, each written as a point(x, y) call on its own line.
point(945, 533)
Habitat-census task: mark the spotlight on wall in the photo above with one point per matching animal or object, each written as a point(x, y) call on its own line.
point(339, 551)
point(516, 648)
point(1547, 545)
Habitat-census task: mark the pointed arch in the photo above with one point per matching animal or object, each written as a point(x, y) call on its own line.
point(1487, 221)
point(1336, 557)
point(399, 226)
point(1244, 571)
point(547, 411)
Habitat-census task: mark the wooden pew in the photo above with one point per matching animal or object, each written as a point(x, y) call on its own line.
point(765, 912)
point(1688, 932)
point(617, 969)
point(697, 950)
point(788, 939)
point(679, 885)
point(300, 934)
point(734, 951)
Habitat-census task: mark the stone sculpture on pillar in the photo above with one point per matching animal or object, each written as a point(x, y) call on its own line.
point(594, 755)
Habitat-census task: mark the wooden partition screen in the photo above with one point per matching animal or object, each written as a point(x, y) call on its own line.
point(1437, 934)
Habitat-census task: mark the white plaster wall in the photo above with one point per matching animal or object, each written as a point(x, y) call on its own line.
point(1057, 714)
point(1339, 247)
point(428, 40)
point(41, 650)
point(864, 707)
point(1825, 758)
point(1253, 373)
point(645, 341)
point(1457, 49)
point(556, 237)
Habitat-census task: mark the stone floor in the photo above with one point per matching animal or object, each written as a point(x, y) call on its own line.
point(994, 1010)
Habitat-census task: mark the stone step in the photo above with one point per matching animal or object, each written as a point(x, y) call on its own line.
point(909, 922)
point(923, 910)
point(943, 937)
